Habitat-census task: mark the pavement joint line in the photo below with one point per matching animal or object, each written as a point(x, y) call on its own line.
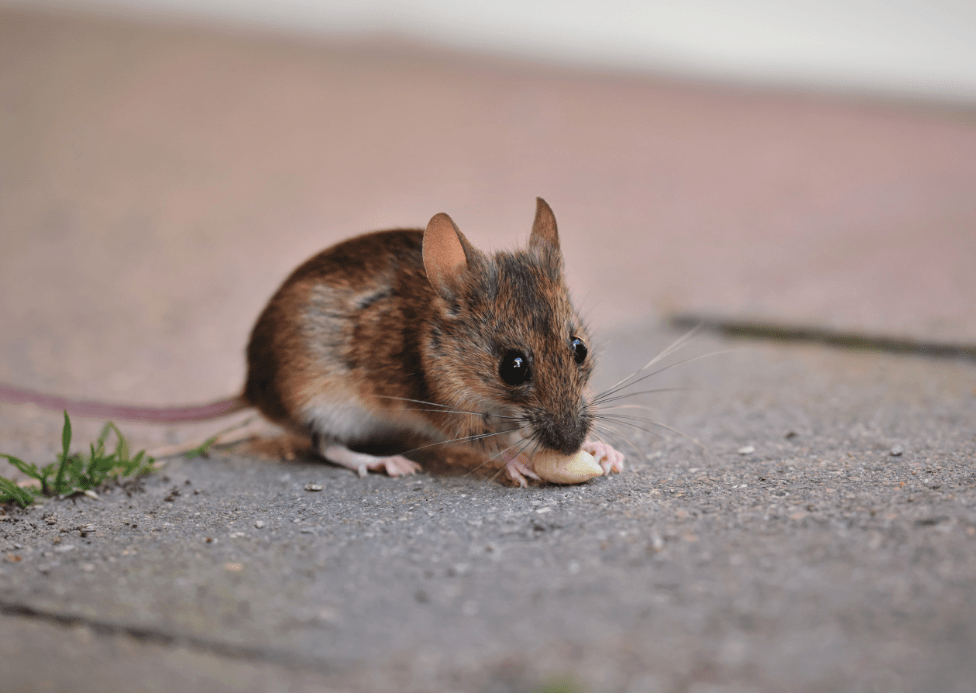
point(821, 335)
point(159, 636)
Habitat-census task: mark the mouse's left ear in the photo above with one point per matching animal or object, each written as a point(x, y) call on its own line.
point(544, 238)
point(446, 252)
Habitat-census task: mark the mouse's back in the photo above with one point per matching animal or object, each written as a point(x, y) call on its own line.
point(337, 324)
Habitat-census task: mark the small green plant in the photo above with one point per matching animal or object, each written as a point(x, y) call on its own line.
point(76, 473)
point(203, 449)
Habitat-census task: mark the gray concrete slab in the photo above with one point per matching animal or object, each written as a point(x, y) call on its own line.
point(793, 551)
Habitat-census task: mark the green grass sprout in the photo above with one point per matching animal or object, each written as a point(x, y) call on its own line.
point(79, 472)
point(203, 449)
point(11, 492)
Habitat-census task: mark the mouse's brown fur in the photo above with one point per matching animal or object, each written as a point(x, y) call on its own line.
point(362, 342)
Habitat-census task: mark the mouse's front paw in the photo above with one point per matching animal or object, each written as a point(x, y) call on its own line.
point(606, 456)
point(518, 468)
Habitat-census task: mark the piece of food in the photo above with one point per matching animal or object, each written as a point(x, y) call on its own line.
point(566, 469)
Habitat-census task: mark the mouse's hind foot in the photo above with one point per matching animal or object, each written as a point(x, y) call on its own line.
point(360, 462)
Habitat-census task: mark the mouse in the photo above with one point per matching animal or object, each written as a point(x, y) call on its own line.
point(415, 334)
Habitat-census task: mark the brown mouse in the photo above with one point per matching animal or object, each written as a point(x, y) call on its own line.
point(416, 333)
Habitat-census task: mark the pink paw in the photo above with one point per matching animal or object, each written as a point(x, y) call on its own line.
point(518, 469)
point(607, 457)
point(397, 465)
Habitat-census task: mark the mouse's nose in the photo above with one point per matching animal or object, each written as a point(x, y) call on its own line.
point(563, 432)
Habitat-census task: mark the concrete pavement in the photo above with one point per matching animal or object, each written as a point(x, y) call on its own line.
point(822, 539)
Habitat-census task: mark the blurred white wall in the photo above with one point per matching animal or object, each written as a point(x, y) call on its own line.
point(916, 48)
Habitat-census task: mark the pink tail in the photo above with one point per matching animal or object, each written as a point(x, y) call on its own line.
point(123, 412)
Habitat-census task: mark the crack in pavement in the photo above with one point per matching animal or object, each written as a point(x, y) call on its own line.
point(158, 636)
point(821, 335)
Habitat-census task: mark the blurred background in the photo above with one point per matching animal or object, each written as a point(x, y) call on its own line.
point(904, 47)
point(165, 163)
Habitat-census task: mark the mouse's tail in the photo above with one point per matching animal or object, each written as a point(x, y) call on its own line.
point(124, 412)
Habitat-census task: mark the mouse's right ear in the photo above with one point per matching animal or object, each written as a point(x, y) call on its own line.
point(445, 254)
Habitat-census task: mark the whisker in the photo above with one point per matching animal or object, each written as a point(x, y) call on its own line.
point(525, 442)
point(532, 448)
point(442, 407)
point(618, 418)
point(535, 444)
point(626, 406)
point(459, 411)
point(491, 479)
point(640, 428)
point(600, 398)
point(618, 388)
point(463, 439)
point(407, 399)
point(504, 450)
point(604, 398)
point(668, 350)
point(617, 398)
point(613, 434)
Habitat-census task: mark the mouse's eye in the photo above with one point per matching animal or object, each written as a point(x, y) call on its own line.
point(579, 349)
point(514, 368)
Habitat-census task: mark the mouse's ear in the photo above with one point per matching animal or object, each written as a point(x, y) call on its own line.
point(445, 255)
point(544, 236)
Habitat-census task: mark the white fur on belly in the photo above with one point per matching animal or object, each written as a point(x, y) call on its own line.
point(345, 422)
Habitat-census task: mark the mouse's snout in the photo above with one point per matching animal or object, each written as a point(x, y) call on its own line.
point(563, 431)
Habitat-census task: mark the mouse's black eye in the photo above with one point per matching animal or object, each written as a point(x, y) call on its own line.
point(579, 349)
point(514, 368)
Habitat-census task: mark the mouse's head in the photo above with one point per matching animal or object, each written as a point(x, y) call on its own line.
point(504, 341)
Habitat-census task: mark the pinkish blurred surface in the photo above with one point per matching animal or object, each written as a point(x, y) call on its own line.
point(156, 184)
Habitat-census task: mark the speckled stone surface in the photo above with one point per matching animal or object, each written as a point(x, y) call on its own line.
point(788, 549)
